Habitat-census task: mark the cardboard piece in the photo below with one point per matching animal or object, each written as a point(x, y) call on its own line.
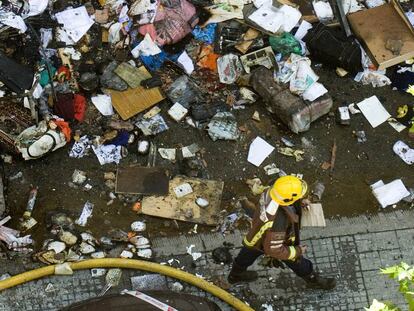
point(131, 74)
point(390, 23)
point(185, 208)
point(133, 101)
point(313, 217)
point(142, 180)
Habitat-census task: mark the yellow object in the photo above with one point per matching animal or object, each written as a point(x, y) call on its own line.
point(410, 89)
point(130, 264)
point(402, 111)
point(288, 189)
point(258, 235)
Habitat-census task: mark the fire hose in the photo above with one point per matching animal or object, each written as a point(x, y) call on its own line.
point(128, 264)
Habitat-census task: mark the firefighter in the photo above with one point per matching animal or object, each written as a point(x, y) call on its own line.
point(275, 233)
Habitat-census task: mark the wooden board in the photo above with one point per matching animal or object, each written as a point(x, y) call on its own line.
point(377, 25)
point(313, 217)
point(133, 101)
point(173, 208)
point(142, 180)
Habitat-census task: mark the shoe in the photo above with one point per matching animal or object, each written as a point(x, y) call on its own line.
point(239, 274)
point(314, 280)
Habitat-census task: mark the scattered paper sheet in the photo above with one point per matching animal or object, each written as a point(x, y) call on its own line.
point(12, 20)
point(80, 148)
point(146, 47)
point(391, 193)
point(167, 153)
point(374, 111)
point(315, 91)
point(303, 29)
point(186, 63)
point(272, 19)
point(37, 7)
point(404, 152)
point(259, 150)
point(220, 13)
point(76, 22)
point(108, 153)
point(152, 126)
point(103, 103)
point(85, 215)
point(323, 10)
point(396, 125)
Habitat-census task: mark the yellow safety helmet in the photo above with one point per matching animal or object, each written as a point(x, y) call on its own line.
point(288, 189)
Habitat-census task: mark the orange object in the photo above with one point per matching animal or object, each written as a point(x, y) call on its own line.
point(64, 127)
point(137, 207)
point(207, 58)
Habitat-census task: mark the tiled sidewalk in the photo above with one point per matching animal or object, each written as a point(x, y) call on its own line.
point(352, 249)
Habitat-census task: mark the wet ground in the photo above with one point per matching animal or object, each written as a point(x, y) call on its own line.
point(347, 187)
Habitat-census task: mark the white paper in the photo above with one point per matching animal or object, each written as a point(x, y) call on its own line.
point(76, 22)
point(12, 20)
point(259, 150)
point(37, 7)
point(291, 17)
point(391, 193)
point(186, 63)
point(268, 18)
point(303, 30)
point(374, 111)
point(85, 215)
point(46, 36)
point(177, 112)
point(167, 153)
point(146, 47)
point(315, 91)
point(323, 10)
point(108, 154)
point(103, 103)
point(396, 125)
point(404, 152)
point(114, 35)
point(80, 148)
point(182, 190)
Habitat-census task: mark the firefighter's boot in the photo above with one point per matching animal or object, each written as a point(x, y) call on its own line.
point(314, 280)
point(240, 274)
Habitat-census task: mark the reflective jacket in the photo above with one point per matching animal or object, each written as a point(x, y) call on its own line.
point(275, 230)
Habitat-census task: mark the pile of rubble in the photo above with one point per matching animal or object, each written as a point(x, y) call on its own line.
point(95, 73)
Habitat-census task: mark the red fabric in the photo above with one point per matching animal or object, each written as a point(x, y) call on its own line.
point(63, 73)
point(79, 104)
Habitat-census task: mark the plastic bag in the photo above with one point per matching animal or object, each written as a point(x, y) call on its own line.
point(285, 44)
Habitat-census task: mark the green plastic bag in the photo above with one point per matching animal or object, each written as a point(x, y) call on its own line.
point(285, 44)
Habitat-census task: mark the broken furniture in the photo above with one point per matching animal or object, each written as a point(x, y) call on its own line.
point(376, 28)
point(185, 208)
point(142, 180)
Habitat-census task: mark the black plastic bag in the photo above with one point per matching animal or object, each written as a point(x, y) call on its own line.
point(333, 49)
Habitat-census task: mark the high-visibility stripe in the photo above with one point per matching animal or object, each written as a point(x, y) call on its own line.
point(292, 250)
point(258, 235)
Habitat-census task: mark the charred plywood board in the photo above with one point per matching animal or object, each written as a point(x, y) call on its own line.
point(185, 208)
point(133, 101)
point(142, 180)
point(374, 27)
point(313, 217)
